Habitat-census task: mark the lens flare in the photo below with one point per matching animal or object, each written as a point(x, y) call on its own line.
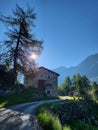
point(34, 56)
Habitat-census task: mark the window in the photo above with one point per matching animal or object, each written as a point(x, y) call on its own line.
point(49, 77)
point(48, 91)
point(41, 75)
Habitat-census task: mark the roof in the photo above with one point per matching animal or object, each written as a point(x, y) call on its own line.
point(48, 70)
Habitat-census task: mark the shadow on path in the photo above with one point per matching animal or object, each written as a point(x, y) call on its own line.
point(21, 117)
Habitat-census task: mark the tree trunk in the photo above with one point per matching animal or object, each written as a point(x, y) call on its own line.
point(15, 59)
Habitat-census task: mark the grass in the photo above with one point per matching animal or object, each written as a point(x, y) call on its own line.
point(44, 114)
point(70, 98)
point(25, 96)
point(48, 121)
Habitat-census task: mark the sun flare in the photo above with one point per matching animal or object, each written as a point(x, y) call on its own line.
point(34, 56)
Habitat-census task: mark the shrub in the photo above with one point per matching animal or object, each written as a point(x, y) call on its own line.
point(48, 121)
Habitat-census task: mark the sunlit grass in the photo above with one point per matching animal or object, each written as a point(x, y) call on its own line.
point(66, 127)
point(48, 121)
point(3, 104)
point(69, 97)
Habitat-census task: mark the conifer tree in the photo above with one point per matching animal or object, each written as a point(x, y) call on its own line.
point(20, 43)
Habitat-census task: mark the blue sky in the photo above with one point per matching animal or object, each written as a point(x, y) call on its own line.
point(69, 29)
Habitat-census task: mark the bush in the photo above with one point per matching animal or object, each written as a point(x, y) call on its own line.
point(48, 121)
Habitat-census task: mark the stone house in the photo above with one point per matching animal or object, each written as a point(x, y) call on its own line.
point(44, 79)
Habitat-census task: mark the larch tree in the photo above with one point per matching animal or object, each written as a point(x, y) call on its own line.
point(20, 43)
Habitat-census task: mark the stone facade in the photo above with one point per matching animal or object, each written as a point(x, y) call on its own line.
point(43, 79)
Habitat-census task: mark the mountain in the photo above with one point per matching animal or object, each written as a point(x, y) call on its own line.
point(88, 67)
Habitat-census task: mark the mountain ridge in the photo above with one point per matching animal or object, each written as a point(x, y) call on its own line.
point(88, 67)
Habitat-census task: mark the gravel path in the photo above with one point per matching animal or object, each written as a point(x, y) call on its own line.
point(21, 117)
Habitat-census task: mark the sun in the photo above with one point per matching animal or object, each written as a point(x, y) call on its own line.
point(34, 56)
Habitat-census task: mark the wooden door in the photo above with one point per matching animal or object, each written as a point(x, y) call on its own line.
point(41, 83)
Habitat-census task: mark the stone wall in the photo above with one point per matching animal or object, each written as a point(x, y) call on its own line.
point(50, 81)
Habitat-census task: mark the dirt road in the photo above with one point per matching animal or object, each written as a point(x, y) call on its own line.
point(21, 117)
